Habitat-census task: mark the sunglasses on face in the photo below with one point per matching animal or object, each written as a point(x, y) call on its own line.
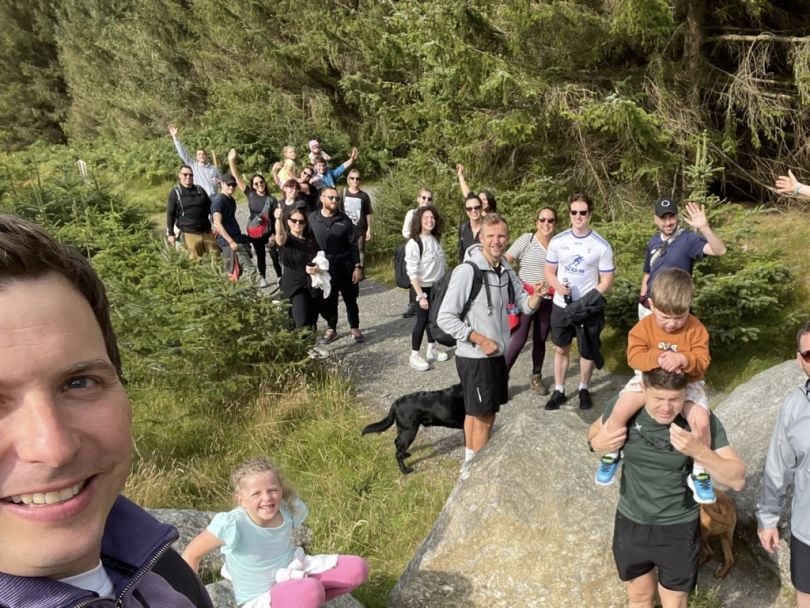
point(331, 198)
point(805, 356)
point(186, 175)
point(258, 182)
point(426, 198)
point(574, 212)
point(229, 185)
point(357, 179)
point(476, 208)
point(295, 221)
point(546, 220)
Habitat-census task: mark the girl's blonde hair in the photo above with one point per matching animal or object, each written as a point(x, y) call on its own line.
point(264, 465)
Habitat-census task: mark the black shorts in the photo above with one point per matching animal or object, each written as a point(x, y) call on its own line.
point(485, 384)
point(799, 565)
point(673, 549)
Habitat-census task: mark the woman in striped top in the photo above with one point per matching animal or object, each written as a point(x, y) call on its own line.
point(530, 250)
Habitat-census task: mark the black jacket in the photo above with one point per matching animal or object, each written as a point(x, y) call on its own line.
point(337, 238)
point(587, 315)
point(189, 208)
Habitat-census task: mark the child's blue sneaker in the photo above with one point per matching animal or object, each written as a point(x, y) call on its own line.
point(701, 486)
point(606, 473)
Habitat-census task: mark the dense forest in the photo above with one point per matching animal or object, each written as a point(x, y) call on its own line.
point(614, 96)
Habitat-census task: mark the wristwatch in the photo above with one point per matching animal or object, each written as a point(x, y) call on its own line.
point(421, 296)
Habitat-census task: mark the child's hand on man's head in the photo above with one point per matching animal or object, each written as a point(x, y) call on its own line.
point(671, 362)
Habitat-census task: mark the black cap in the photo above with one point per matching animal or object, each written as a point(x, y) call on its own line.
point(228, 179)
point(665, 205)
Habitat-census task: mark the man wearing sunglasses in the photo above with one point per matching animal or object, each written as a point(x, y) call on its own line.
point(187, 210)
point(337, 238)
point(656, 538)
point(786, 468)
point(579, 266)
point(674, 247)
point(357, 205)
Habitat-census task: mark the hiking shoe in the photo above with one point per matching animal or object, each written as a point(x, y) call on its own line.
point(585, 402)
point(701, 486)
point(329, 337)
point(433, 354)
point(556, 400)
point(263, 283)
point(418, 363)
point(538, 386)
point(606, 473)
point(409, 312)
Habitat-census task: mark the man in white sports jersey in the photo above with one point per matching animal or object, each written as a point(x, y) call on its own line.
point(579, 266)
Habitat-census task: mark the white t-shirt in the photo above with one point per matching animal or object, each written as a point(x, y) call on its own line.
point(579, 260)
point(96, 580)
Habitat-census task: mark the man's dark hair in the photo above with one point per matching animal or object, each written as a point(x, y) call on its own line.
point(580, 197)
point(416, 224)
point(659, 378)
point(804, 329)
point(28, 252)
point(185, 167)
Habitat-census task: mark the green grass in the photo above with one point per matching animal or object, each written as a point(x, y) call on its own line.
point(359, 502)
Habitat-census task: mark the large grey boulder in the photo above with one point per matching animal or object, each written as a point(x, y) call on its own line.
point(189, 523)
point(748, 414)
point(528, 528)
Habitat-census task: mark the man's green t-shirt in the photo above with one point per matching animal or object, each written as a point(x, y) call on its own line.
point(653, 488)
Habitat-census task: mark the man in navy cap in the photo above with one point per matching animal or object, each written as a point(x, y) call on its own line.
point(675, 247)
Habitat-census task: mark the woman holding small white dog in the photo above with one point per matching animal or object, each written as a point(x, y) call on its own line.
point(424, 262)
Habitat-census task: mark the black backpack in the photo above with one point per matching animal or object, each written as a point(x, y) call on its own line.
point(400, 271)
point(437, 295)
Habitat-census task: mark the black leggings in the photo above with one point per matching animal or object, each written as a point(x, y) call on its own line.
point(421, 326)
point(260, 248)
point(304, 308)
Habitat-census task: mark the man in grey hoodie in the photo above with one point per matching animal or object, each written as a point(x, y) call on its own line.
point(483, 334)
point(786, 467)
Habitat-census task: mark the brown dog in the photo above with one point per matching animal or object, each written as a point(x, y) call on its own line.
point(718, 520)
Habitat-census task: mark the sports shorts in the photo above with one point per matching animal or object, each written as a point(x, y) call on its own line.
point(485, 384)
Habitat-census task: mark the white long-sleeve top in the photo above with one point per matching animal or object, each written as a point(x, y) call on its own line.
point(429, 267)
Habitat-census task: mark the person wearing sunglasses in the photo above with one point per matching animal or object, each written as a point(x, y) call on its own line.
point(488, 203)
point(357, 205)
point(187, 210)
point(469, 230)
point(656, 538)
point(297, 249)
point(579, 266)
point(261, 205)
point(675, 247)
point(423, 199)
point(235, 246)
point(335, 235)
point(530, 250)
point(785, 470)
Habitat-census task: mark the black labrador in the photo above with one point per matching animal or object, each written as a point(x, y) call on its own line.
point(425, 408)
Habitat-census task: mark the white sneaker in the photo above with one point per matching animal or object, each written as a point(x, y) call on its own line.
point(466, 467)
point(263, 283)
point(418, 363)
point(433, 354)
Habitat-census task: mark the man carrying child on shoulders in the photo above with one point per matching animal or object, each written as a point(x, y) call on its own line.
point(657, 528)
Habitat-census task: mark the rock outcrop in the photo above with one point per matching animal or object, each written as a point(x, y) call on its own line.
point(748, 414)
